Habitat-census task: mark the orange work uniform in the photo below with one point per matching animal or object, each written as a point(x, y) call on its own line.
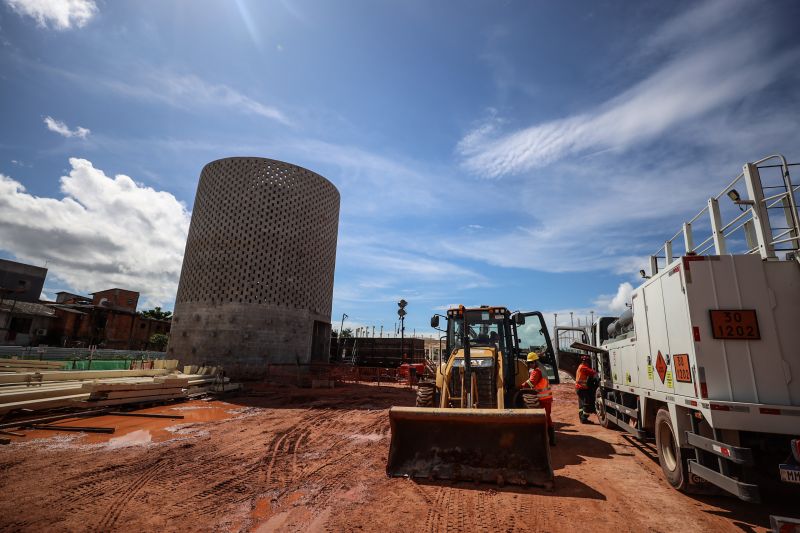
point(585, 396)
point(582, 376)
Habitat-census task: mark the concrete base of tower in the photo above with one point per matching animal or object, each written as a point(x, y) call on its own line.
point(245, 338)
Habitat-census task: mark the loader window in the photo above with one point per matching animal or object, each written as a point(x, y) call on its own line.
point(533, 337)
point(482, 331)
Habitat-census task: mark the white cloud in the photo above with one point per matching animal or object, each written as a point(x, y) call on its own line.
point(104, 232)
point(59, 14)
point(62, 129)
point(188, 91)
point(617, 302)
point(693, 81)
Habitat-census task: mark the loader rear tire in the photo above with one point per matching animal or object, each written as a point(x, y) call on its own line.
point(531, 401)
point(425, 395)
point(670, 455)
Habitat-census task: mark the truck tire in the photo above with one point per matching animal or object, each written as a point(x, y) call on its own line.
point(670, 455)
point(600, 407)
point(425, 395)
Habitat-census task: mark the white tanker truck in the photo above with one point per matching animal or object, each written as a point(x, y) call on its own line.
point(707, 359)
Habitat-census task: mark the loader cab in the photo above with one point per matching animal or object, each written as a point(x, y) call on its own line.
point(486, 327)
point(513, 334)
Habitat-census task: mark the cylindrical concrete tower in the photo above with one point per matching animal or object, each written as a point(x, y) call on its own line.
point(257, 278)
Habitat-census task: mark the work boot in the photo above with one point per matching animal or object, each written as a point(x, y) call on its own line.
point(552, 433)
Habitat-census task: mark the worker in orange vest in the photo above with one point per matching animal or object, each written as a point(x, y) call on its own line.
point(539, 382)
point(585, 377)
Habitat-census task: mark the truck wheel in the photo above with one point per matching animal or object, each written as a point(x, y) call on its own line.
point(425, 395)
point(600, 407)
point(669, 452)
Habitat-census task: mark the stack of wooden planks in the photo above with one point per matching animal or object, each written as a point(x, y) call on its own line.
point(27, 365)
point(98, 388)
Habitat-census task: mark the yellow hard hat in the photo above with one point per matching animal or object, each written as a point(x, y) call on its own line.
point(533, 356)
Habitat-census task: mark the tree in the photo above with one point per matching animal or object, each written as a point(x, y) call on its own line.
point(347, 333)
point(157, 313)
point(159, 341)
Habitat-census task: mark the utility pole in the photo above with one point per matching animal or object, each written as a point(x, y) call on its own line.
point(592, 320)
point(555, 319)
point(381, 331)
point(571, 322)
point(373, 332)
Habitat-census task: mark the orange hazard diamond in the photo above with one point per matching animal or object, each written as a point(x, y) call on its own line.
point(661, 366)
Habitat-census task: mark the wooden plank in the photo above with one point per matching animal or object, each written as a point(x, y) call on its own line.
point(120, 394)
point(67, 375)
point(100, 386)
point(123, 401)
point(35, 393)
point(45, 403)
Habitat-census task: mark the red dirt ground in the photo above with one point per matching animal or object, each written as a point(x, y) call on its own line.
point(308, 460)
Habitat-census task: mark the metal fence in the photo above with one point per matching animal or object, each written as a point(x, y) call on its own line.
point(51, 353)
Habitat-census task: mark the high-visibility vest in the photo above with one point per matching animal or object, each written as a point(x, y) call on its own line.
point(582, 376)
point(542, 387)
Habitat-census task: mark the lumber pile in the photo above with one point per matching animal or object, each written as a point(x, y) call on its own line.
point(27, 365)
point(103, 388)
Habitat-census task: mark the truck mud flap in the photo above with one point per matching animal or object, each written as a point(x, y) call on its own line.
point(485, 445)
point(744, 491)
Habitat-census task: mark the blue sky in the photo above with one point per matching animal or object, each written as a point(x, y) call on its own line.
point(527, 154)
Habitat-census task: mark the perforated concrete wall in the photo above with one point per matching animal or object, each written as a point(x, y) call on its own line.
point(257, 279)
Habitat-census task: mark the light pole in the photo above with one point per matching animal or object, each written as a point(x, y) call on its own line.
point(341, 330)
point(401, 312)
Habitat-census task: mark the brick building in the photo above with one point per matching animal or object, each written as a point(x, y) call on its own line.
point(108, 320)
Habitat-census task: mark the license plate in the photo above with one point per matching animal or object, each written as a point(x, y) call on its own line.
point(734, 324)
point(790, 473)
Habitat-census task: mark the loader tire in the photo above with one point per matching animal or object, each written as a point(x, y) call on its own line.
point(670, 455)
point(531, 401)
point(425, 395)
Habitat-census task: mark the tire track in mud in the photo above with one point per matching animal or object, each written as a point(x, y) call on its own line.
point(126, 493)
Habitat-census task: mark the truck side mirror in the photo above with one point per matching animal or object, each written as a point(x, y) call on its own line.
point(435, 321)
point(519, 318)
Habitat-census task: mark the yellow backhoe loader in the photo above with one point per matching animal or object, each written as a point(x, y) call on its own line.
point(475, 422)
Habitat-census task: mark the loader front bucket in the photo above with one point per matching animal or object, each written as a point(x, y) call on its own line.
point(486, 445)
